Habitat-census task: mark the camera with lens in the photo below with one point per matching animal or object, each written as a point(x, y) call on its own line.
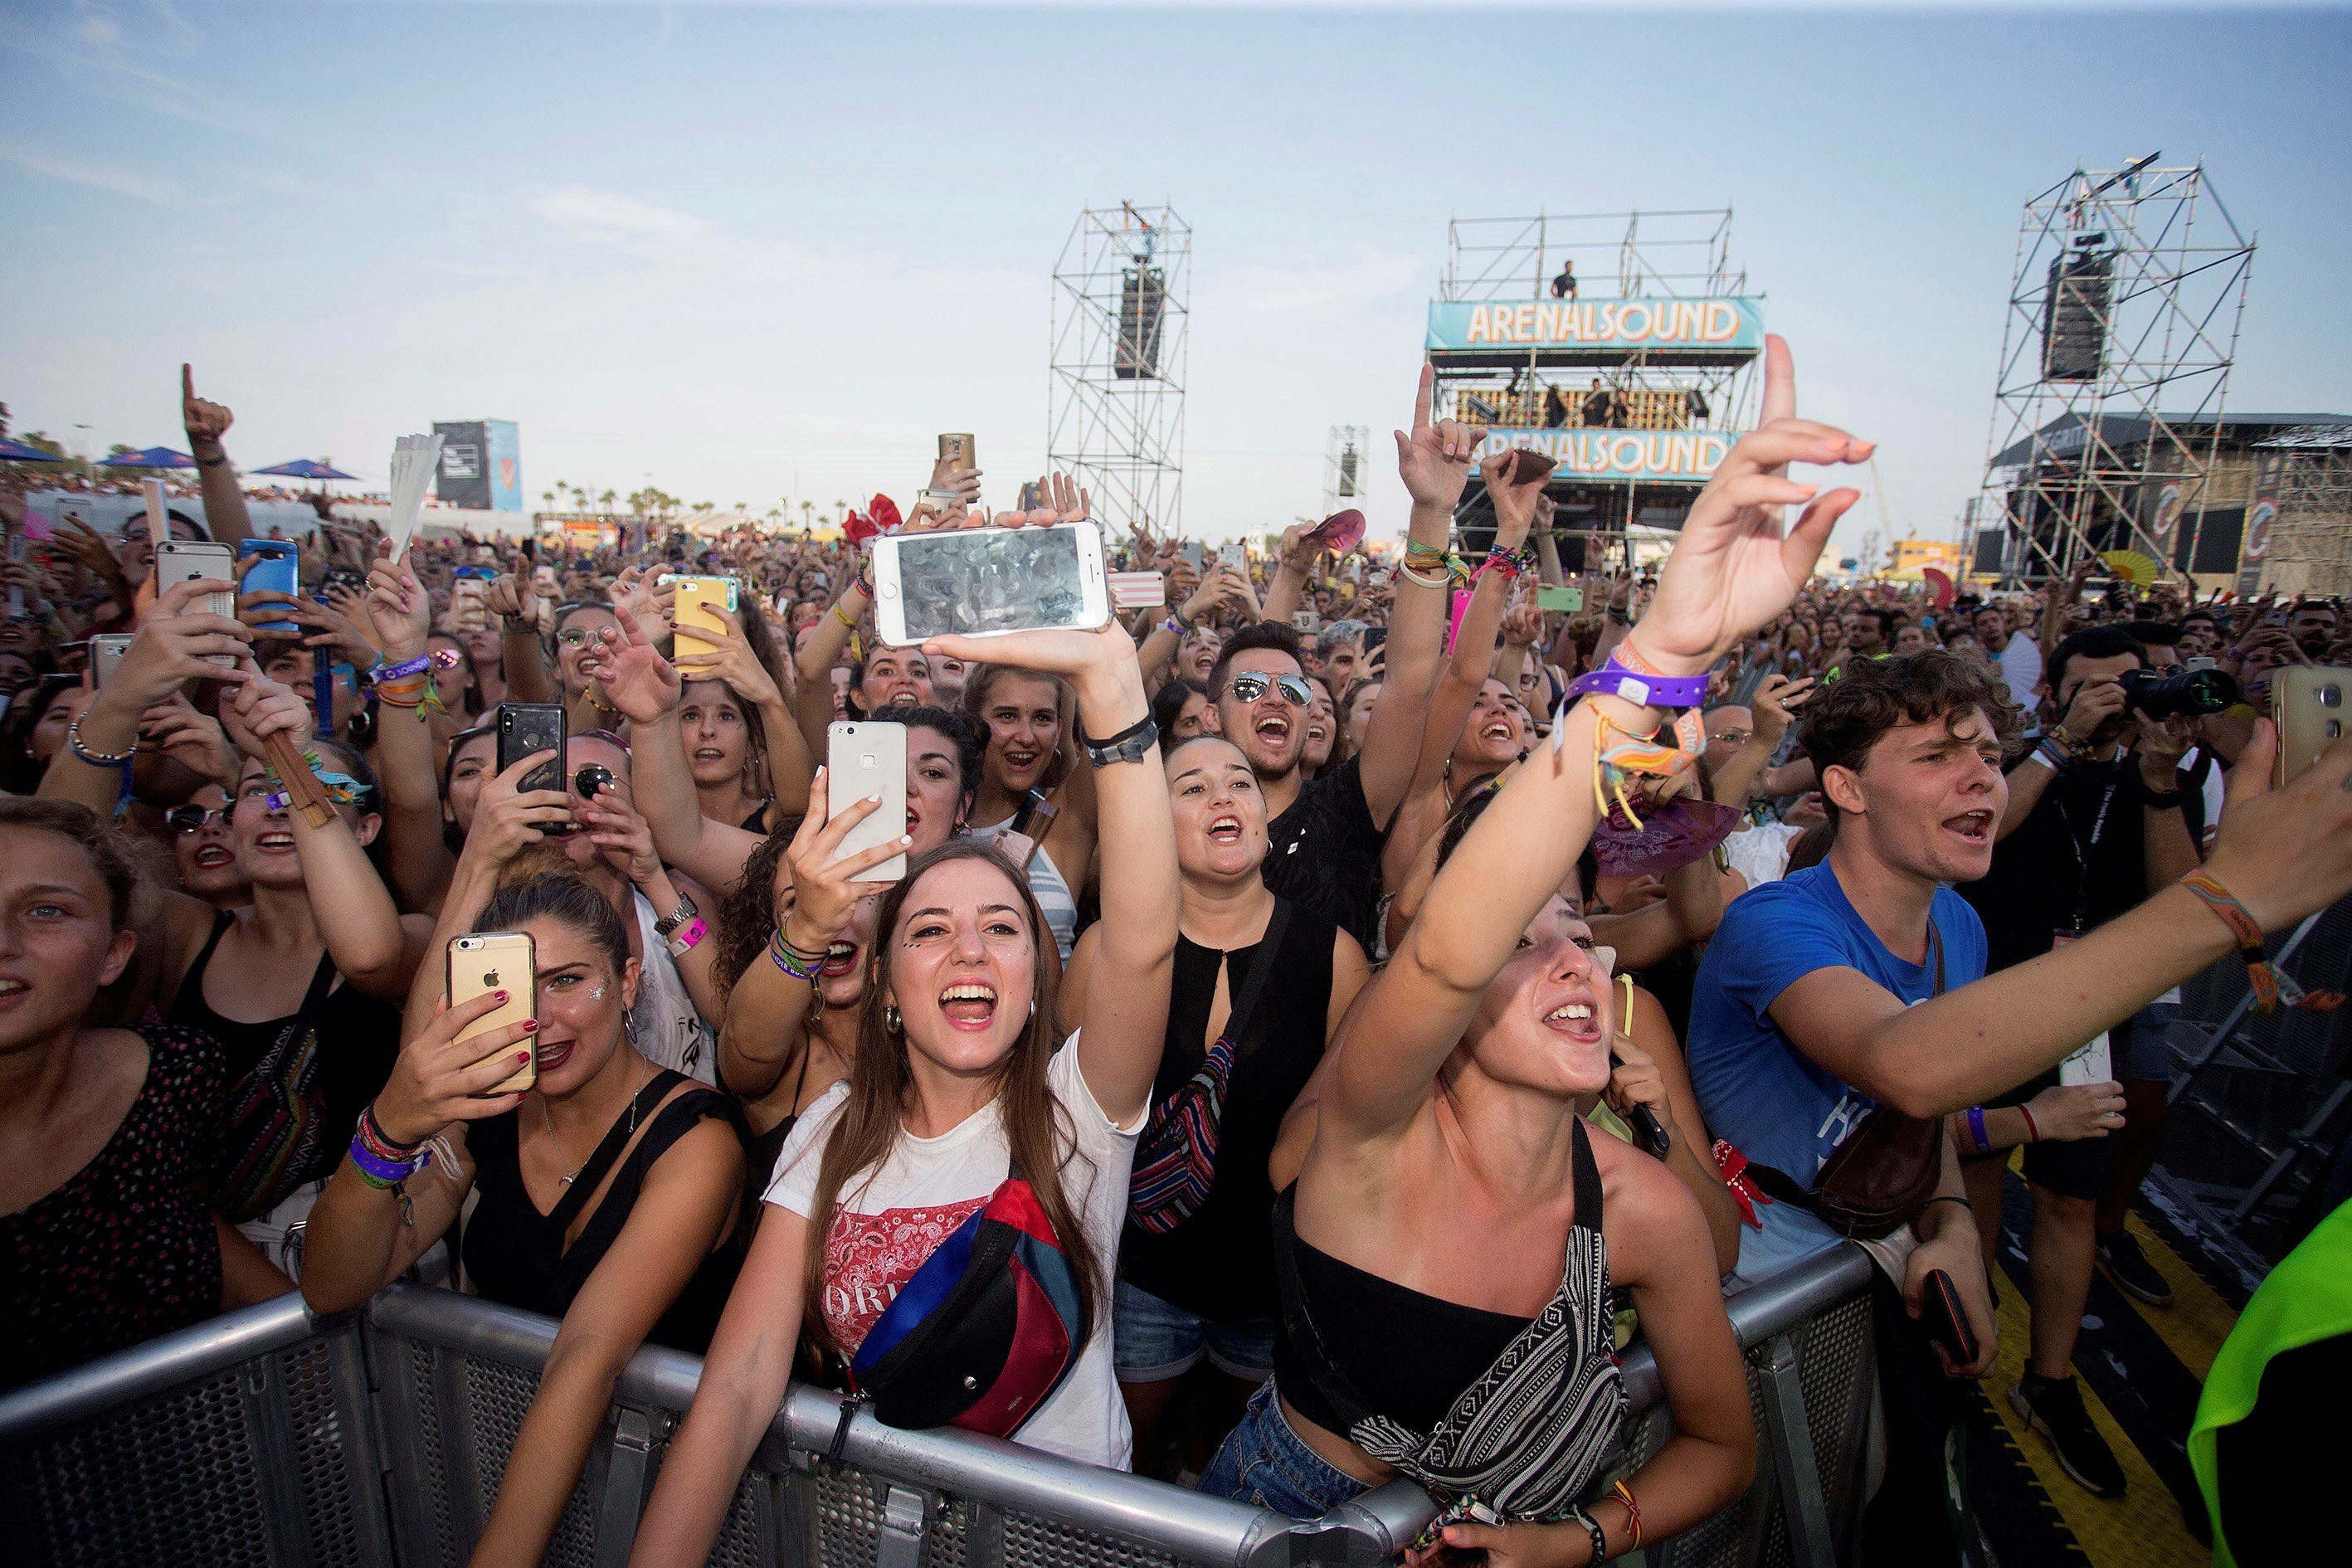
point(2190, 690)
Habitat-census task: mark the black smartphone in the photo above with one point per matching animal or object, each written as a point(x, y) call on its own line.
point(528, 727)
point(1947, 1318)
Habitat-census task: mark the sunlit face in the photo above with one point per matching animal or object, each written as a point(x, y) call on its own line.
point(1322, 724)
point(138, 551)
point(1492, 737)
point(1024, 715)
point(577, 634)
point(470, 761)
point(1220, 810)
point(583, 1005)
point(1928, 796)
point(1198, 654)
point(963, 967)
point(717, 734)
point(58, 941)
point(263, 838)
point(1271, 729)
point(203, 846)
point(895, 678)
point(935, 801)
point(1542, 1022)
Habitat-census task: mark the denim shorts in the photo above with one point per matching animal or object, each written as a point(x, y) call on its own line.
point(1264, 1462)
point(1155, 1341)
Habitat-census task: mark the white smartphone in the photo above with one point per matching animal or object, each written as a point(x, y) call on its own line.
point(105, 651)
point(179, 560)
point(868, 757)
point(2090, 1062)
point(984, 582)
point(1235, 556)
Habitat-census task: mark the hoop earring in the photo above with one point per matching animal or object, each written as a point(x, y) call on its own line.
point(891, 1022)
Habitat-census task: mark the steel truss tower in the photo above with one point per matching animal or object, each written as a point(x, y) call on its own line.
point(2122, 326)
point(1115, 401)
point(1344, 455)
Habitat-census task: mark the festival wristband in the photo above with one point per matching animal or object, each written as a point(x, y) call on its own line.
point(1977, 1130)
point(1616, 680)
point(417, 666)
point(2248, 933)
point(683, 943)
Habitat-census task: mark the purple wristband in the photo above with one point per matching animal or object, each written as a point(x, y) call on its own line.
point(382, 1172)
point(1977, 1130)
point(1614, 679)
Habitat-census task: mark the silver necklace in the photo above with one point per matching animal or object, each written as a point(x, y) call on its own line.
point(571, 1171)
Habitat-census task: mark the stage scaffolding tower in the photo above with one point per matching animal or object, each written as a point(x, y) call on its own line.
point(2123, 320)
point(1115, 398)
point(1344, 455)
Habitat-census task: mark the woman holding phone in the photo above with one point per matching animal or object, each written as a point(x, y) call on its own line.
point(1031, 801)
point(958, 1088)
point(608, 1191)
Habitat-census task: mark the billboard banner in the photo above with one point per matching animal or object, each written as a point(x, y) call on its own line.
point(502, 455)
point(1459, 326)
point(464, 478)
point(1684, 456)
point(2265, 513)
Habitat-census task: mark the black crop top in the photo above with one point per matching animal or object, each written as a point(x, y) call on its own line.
point(516, 1254)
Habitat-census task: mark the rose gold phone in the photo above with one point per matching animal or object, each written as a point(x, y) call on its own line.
point(498, 961)
point(2307, 704)
point(960, 448)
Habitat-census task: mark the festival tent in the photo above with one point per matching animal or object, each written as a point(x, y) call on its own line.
point(153, 458)
point(13, 452)
point(304, 469)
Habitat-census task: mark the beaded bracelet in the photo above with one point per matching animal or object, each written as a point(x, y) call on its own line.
point(96, 759)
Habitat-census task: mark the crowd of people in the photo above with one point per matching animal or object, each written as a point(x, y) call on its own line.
point(1321, 1022)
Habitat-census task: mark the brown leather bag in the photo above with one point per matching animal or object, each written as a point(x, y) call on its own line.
point(1882, 1174)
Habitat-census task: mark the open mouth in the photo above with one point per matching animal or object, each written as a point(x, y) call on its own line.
point(12, 989)
point(553, 1054)
point(214, 856)
point(708, 754)
point(839, 959)
point(968, 1004)
point(1499, 730)
point(275, 841)
point(1315, 731)
point(1021, 761)
point(1274, 727)
point(1226, 828)
point(1577, 1020)
point(1973, 828)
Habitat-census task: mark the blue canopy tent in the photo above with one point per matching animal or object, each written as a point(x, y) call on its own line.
point(153, 458)
point(14, 452)
point(304, 469)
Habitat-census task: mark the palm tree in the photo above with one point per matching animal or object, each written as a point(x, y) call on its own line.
point(605, 501)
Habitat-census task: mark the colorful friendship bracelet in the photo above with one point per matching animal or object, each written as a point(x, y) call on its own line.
point(96, 759)
point(2247, 930)
point(791, 961)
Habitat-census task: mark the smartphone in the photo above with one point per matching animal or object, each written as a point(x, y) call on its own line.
point(1195, 554)
point(1526, 465)
point(1568, 600)
point(692, 607)
point(498, 961)
point(179, 560)
point(2090, 1062)
point(984, 581)
point(2307, 706)
point(1306, 621)
point(868, 757)
point(1373, 637)
point(277, 571)
point(1947, 1318)
point(528, 727)
point(1235, 556)
point(105, 651)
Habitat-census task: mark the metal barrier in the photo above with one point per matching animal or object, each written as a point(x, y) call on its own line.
point(272, 1437)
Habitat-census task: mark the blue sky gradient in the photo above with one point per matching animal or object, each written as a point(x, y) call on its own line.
point(754, 252)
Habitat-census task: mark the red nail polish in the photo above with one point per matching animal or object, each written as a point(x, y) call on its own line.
point(522, 1058)
point(500, 994)
point(529, 1024)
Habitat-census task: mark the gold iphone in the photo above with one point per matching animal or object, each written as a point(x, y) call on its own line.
point(498, 961)
point(2307, 706)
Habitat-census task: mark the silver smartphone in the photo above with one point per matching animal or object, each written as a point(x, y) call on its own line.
point(868, 757)
point(105, 651)
point(179, 560)
point(982, 581)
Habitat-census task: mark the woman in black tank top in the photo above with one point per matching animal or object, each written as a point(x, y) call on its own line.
point(609, 1192)
point(1271, 979)
point(1449, 1250)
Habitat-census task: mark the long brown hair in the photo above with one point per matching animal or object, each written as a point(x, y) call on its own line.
point(880, 1085)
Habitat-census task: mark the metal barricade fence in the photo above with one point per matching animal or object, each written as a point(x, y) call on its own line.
point(271, 1437)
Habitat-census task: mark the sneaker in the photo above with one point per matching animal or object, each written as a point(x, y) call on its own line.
point(2134, 1275)
point(2055, 1410)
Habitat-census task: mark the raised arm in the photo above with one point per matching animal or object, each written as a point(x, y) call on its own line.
point(523, 654)
point(172, 648)
point(644, 687)
point(404, 761)
point(1775, 696)
point(225, 517)
point(1294, 559)
point(1435, 463)
point(789, 762)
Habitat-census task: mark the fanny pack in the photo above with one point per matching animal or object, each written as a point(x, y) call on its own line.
point(1176, 1158)
point(1882, 1174)
point(983, 1332)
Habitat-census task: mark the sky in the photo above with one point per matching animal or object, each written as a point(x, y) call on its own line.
point(751, 253)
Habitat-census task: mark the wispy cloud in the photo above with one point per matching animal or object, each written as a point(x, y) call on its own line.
point(587, 214)
point(100, 177)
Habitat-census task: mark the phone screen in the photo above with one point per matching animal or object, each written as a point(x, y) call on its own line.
point(975, 580)
point(277, 572)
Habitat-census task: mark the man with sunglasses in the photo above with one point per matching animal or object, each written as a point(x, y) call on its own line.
point(1324, 836)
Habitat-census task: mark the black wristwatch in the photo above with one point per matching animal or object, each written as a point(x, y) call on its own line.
point(676, 917)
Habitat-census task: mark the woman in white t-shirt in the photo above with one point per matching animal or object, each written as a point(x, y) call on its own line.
point(956, 1077)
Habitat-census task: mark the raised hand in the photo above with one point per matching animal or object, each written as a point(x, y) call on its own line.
point(204, 422)
point(193, 739)
point(825, 888)
point(440, 1078)
point(1515, 499)
point(636, 678)
point(1523, 624)
point(620, 835)
point(1776, 696)
point(175, 648)
point(399, 605)
point(261, 707)
point(512, 599)
point(508, 820)
point(1731, 570)
point(1435, 460)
